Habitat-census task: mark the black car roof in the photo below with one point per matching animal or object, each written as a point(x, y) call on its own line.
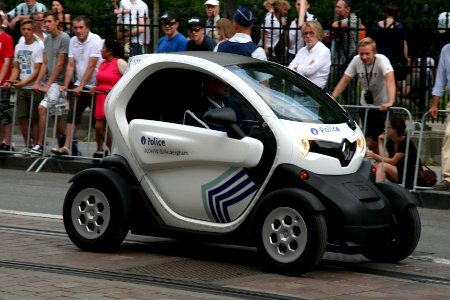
point(221, 58)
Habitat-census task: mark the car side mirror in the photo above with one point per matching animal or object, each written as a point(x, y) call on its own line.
point(225, 117)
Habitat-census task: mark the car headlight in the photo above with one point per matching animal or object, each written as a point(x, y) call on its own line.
point(361, 145)
point(304, 147)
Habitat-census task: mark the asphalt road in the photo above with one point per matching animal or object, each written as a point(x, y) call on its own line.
point(44, 193)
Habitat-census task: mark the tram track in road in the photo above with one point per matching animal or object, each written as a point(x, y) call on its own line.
point(199, 285)
point(172, 283)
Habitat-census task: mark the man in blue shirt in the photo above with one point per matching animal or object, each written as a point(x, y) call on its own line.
point(173, 41)
point(443, 81)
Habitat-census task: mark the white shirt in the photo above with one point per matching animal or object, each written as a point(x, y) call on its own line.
point(243, 38)
point(139, 10)
point(376, 83)
point(273, 30)
point(37, 38)
point(27, 56)
point(81, 52)
point(319, 69)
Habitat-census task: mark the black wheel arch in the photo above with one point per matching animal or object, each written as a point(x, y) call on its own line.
point(112, 178)
point(306, 199)
point(399, 197)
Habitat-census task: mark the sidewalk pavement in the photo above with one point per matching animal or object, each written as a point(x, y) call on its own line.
point(427, 198)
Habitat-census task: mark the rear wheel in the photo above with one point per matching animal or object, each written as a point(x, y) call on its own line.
point(290, 238)
point(94, 216)
point(404, 238)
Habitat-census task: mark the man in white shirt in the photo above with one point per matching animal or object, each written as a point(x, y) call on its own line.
point(376, 75)
point(28, 58)
point(84, 60)
point(212, 8)
point(314, 60)
point(139, 31)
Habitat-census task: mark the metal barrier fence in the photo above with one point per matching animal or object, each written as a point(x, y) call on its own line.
point(50, 138)
point(419, 147)
point(409, 129)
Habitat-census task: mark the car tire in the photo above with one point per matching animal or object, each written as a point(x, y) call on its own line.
point(94, 215)
point(291, 239)
point(404, 238)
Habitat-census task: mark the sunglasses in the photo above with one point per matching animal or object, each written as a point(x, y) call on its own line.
point(170, 24)
point(195, 29)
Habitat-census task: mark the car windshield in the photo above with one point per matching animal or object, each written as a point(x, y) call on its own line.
point(290, 96)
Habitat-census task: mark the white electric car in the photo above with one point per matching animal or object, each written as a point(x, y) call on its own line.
point(280, 167)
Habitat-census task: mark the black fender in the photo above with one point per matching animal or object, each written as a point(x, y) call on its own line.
point(398, 196)
point(308, 200)
point(123, 190)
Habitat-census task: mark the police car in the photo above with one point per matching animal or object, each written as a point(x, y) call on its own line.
point(279, 167)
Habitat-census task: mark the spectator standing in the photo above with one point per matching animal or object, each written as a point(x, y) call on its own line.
point(111, 69)
point(198, 40)
point(28, 57)
point(173, 41)
point(63, 17)
point(441, 84)
point(390, 37)
point(296, 41)
point(84, 60)
point(376, 76)
point(38, 33)
point(346, 38)
point(6, 62)
point(274, 34)
point(314, 60)
point(268, 5)
point(51, 77)
point(225, 30)
point(23, 11)
point(241, 43)
point(390, 164)
point(121, 10)
point(212, 8)
point(138, 19)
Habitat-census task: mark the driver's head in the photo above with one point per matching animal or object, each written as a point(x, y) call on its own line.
point(216, 89)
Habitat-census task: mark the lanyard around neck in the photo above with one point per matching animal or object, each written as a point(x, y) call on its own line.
point(369, 75)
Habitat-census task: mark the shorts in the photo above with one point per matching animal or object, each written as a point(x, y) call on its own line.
point(25, 99)
point(54, 100)
point(82, 102)
point(5, 107)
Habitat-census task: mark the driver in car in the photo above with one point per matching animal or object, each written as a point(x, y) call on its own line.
point(215, 95)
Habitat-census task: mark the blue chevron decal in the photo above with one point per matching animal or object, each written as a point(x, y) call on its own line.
point(220, 194)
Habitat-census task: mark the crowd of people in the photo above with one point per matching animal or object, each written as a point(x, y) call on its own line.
point(44, 65)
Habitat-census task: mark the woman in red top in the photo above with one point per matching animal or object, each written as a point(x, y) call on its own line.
point(109, 72)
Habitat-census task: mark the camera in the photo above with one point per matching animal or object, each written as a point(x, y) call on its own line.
point(368, 97)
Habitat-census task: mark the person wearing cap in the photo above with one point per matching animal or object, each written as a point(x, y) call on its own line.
point(199, 41)
point(241, 42)
point(173, 41)
point(212, 8)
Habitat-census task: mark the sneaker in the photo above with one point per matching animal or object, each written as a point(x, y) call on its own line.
point(5, 147)
point(37, 150)
point(444, 185)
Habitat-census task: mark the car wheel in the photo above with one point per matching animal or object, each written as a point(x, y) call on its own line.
point(404, 239)
point(93, 216)
point(291, 239)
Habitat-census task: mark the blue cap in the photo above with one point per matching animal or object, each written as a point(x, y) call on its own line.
point(243, 16)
